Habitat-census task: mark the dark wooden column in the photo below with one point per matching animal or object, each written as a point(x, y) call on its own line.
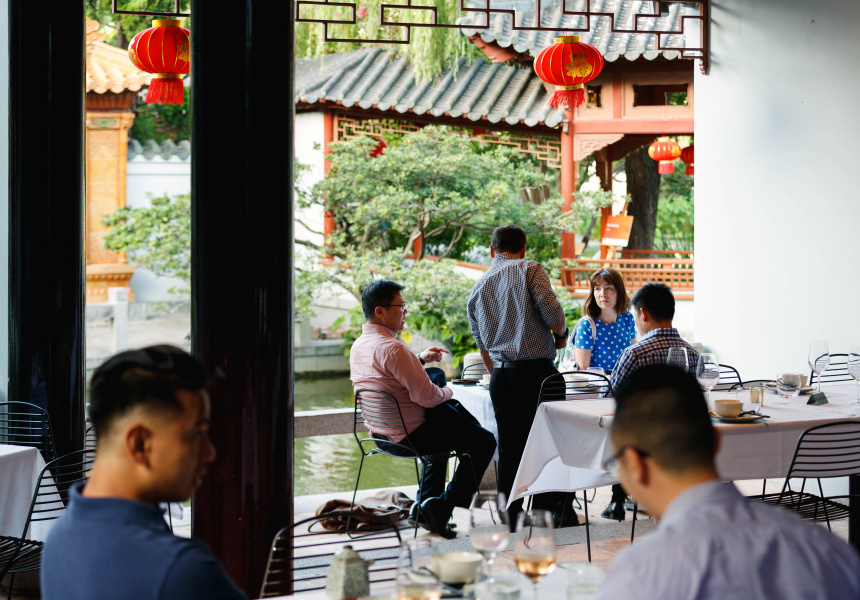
point(242, 263)
point(46, 208)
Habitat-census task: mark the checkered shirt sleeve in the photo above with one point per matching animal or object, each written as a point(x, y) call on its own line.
point(510, 309)
point(652, 349)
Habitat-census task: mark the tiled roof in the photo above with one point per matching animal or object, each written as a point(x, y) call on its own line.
point(612, 45)
point(371, 78)
point(150, 149)
point(108, 67)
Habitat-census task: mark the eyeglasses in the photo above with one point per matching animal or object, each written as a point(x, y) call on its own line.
point(403, 306)
point(610, 465)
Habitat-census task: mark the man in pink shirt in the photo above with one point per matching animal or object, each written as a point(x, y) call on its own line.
point(379, 361)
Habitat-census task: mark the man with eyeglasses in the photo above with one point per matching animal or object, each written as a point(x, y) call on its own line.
point(379, 361)
point(711, 542)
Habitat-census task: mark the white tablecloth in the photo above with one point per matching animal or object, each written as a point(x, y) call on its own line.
point(477, 401)
point(19, 473)
point(570, 440)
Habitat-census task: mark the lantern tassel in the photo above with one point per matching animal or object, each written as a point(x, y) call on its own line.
point(568, 99)
point(165, 91)
point(665, 167)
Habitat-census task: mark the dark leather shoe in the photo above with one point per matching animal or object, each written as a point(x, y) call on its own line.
point(424, 523)
point(615, 511)
point(628, 504)
point(435, 513)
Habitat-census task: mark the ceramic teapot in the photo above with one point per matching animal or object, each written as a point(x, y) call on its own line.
point(348, 575)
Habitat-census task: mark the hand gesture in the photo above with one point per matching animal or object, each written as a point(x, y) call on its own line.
point(433, 354)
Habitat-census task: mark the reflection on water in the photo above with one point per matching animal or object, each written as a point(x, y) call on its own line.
point(329, 463)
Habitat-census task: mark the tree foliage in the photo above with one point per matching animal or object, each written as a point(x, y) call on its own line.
point(119, 29)
point(161, 122)
point(157, 237)
point(431, 50)
point(675, 214)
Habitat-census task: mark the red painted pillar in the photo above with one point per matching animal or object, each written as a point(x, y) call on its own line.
point(568, 182)
point(328, 137)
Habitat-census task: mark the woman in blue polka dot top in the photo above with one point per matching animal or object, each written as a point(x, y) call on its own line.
point(606, 314)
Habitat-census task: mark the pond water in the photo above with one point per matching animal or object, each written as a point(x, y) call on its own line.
point(329, 463)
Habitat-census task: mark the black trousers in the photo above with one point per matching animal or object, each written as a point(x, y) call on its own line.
point(449, 427)
point(515, 394)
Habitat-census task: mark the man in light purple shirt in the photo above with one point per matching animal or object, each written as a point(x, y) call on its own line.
point(711, 542)
point(379, 361)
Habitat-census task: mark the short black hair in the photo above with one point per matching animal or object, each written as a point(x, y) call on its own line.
point(378, 293)
point(661, 410)
point(657, 299)
point(508, 239)
point(149, 376)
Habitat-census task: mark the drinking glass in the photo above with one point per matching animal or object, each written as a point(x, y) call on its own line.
point(819, 358)
point(708, 371)
point(535, 547)
point(678, 358)
point(566, 361)
point(854, 368)
point(788, 385)
point(415, 580)
point(488, 526)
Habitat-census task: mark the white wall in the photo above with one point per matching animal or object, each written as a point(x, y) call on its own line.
point(777, 203)
point(309, 141)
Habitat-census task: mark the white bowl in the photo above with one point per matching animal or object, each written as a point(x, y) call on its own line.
point(455, 567)
point(728, 408)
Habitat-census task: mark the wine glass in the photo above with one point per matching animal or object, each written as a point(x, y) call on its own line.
point(708, 371)
point(678, 358)
point(819, 358)
point(535, 547)
point(488, 526)
point(854, 368)
point(415, 580)
point(567, 361)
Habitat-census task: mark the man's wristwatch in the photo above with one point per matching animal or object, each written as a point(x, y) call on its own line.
point(566, 333)
point(421, 360)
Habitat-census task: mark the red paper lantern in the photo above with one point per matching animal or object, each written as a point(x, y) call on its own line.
point(567, 64)
point(163, 49)
point(380, 148)
point(687, 157)
point(665, 151)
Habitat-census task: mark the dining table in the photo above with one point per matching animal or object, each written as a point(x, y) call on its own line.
point(20, 467)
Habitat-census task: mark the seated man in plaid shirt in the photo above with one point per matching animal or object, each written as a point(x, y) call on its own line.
point(653, 310)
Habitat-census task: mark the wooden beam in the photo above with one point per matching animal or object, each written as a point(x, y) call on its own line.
point(625, 126)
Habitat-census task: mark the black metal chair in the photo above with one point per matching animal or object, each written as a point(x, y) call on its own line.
point(90, 439)
point(580, 385)
point(381, 411)
point(835, 372)
point(750, 383)
point(20, 554)
point(729, 377)
point(305, 569)
point(824, 451)
point(475, 371)
point(25, 424)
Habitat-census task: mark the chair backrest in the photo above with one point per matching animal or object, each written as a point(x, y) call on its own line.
point(25, 424)
point(574, 385)
point(378, 411)
point(475, 371)
point(305, 568)
point(55, 480)
point(90, 439)
point(729, 377)
point(830, 450)
point(835, 372)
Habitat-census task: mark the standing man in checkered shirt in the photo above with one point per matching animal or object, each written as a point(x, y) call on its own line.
point(653, 310)
point(518, 324)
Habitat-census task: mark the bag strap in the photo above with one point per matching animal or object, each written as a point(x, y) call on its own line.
point(593, 328)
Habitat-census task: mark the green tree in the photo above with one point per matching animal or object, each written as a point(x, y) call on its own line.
point(120, 29)
point(675, 214)
point(157, 237)
point(431, 50)
point(161, 122)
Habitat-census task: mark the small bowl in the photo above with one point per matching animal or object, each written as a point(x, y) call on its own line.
point(728, 408)
point(455, 567)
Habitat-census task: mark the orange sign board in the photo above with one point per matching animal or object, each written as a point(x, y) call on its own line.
point(616, 232)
